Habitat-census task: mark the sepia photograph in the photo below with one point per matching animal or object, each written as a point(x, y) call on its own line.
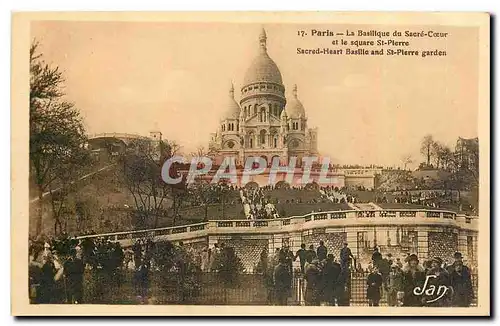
point(215, 162)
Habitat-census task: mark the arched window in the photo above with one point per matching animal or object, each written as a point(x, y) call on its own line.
point(262, 137)
point(250, 141)
point(275, 141)
point(255, 109)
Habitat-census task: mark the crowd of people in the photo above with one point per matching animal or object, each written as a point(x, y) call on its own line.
point(257, 205)
point(336, 195)
point(430, 198)
point(402, 282)
point(57, 268)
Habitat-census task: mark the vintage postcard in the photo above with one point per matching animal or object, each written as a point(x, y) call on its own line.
point(279, 163)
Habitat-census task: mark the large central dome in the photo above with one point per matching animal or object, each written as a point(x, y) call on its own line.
point(263, 68)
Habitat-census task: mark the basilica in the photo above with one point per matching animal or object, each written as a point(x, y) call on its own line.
point(264, 122)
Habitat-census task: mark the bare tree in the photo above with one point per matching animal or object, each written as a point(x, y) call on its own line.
point(141, 168)
point(406, 160)
point(203, 193)
point(201, 151)
point(446, 157)
point(426, 148)
point(57, 134)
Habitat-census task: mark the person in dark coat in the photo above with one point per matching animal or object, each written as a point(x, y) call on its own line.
point(301, 254)
point(440, 278)
point(413, 276)
point(330, 278)
point(394, 285)
point(142, 281)
point(137, 249)
point(345, 256)
point(313, 278)
point(282, 282)
point(73, 274)
point(461, 282)
point(376, 257)
point(343, 293)
point(289, 258)
point(47, 285)
point(374, 282)
point(269, 280)
point(321, 251)
point(311, 254)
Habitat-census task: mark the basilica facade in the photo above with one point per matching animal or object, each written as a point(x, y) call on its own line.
point(264, 122)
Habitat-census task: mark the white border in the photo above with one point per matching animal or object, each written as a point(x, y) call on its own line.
point(200, 5)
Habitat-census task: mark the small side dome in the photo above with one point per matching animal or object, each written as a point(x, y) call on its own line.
point(233, 109)
point(294, 107)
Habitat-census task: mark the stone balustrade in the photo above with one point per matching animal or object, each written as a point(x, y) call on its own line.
point(294, 224)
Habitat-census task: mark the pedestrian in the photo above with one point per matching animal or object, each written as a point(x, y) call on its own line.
point(269, 280)
point(311, 253)
point(282, 281)
point(413, 276)
point(374, 283)
point(301, 254)
point(440, 277)
point(321, 251)
point(376, 257)
point(289, 258)
point(330, 277)
point(313, 284)
point(395, 285)
point(73, 273)
point(345, 256)
point(47, 286)
point(461, 282)
point(142, 281)
point(204, 260)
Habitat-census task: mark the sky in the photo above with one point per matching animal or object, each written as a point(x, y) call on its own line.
point(137, 77)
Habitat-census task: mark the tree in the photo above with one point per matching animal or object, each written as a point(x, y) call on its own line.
point(426, 148)
point(203, 193)
point(222, 191)
point(141, 169)
point(173, 147)
point(66, 174)
point(466, 157)
point(201, 151)
point(436, 149)
point(446, 157)
point(406, 160)
point(57, 134)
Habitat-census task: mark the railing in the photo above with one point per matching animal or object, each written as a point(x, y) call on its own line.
point(325, 218)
